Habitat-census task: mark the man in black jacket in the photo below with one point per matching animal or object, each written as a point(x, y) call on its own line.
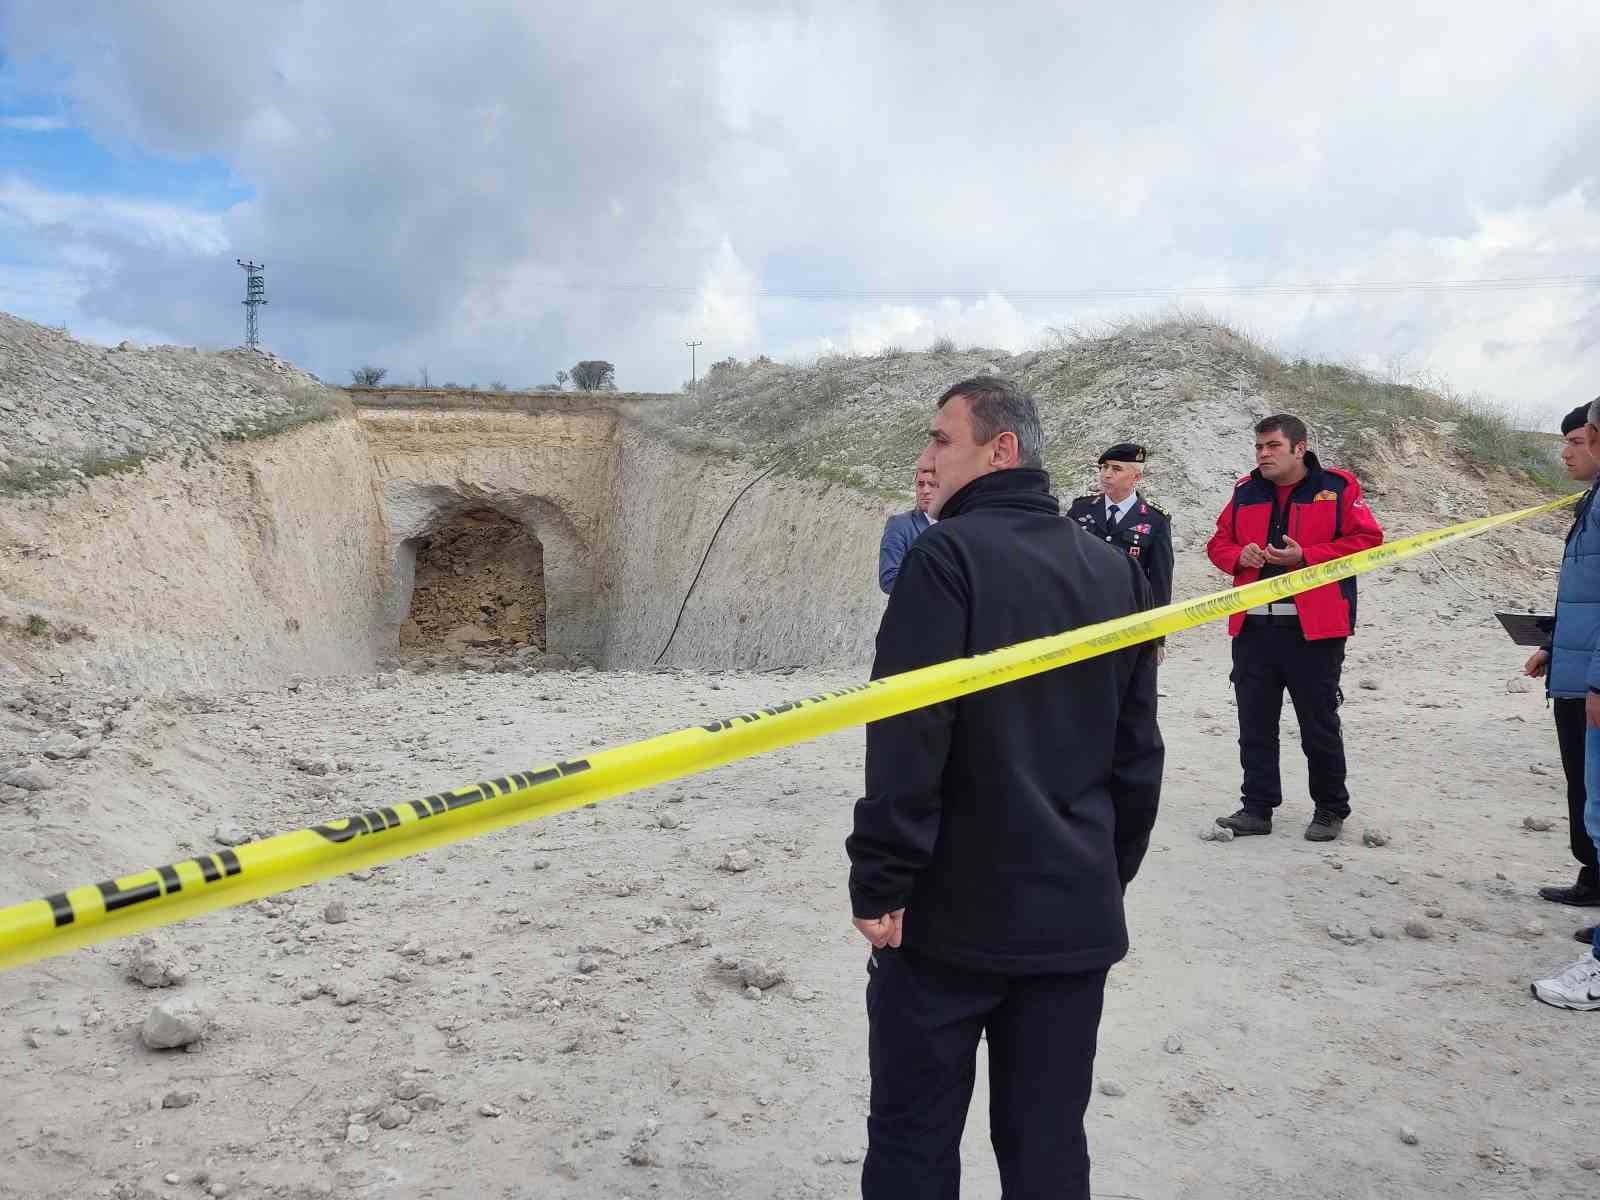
point(998, 830)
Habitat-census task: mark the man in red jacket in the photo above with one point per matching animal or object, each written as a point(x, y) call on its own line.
point(1291, 511)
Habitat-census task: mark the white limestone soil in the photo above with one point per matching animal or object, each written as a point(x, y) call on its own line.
point(1256, 1056)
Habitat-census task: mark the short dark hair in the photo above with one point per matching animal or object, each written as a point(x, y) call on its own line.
point(1292, 428)
point(1576, 419)
point(999, 406)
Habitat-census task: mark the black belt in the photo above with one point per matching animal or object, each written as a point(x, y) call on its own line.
point(1258, 621)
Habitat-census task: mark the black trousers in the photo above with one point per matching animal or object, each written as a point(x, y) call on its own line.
point(924, 1019)
point(1570, 732)
point(1267, 660)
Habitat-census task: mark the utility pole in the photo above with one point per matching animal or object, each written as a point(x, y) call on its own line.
point(255, 293)
point(692, 375)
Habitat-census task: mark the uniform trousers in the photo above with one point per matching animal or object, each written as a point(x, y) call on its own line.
point(924, 1021)
point(1571, 728)
point(1271, 655)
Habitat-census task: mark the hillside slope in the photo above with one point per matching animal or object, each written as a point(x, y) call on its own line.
point(1188, 390)
point(73, 410)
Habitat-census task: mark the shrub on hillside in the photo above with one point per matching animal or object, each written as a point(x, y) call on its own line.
point(368, 375)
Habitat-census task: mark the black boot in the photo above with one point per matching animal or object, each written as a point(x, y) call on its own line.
point(1582, 894)
point(1585, 935)
point(1244, 822)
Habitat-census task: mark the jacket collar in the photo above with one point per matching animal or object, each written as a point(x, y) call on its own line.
point(1581, 510)
point(1026, 488)
point(1312, 481)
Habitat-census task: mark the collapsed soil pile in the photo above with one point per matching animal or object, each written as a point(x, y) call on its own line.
point(479, 582)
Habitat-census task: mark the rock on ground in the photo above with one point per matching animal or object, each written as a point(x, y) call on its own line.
point(155, 964)
point(178, 1021)
point(759, 973)
point(31, 778)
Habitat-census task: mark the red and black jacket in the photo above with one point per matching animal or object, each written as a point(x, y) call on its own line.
point(1325, 515)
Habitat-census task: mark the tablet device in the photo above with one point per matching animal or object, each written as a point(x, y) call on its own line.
point(1528, 628)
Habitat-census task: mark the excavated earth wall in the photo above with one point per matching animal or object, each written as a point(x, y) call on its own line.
point(549, 469)
point(296, 553)
point(247, 564)
point(791, 577)
point(625, 520)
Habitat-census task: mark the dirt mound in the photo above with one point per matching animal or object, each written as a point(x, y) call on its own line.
point(479, 581)
point(71, 410)
point(1188, 390)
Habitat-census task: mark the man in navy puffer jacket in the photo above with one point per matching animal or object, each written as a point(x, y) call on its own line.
point(1567, 702)
point(1575, 671)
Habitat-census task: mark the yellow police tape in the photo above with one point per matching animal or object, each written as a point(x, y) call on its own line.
point(82, 916)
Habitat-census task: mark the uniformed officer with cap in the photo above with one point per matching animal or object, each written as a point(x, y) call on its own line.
point(1119, 514)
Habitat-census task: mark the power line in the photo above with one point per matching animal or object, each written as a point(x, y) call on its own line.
point(1505, 283)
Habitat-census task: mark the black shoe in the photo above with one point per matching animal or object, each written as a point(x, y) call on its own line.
point(1244, 823)
point(1580, 895)
point(1586, 935)
point(1324, 826)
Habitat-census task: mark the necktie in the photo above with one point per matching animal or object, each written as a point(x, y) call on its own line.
point(1112, 513)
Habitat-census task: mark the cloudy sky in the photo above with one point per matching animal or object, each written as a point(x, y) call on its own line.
point(496, 188)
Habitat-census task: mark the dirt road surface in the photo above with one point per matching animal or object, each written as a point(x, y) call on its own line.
point(544, 1012)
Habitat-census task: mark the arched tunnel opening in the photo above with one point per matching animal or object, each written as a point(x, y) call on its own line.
point(479, 581)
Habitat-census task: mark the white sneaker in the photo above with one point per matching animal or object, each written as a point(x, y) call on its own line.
point(1578, 987)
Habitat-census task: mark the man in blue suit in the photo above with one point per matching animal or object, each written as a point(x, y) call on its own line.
point(901, 530)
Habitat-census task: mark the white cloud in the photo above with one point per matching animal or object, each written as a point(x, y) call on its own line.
point(484, 191)
point(33, 124)
point(726, 303)
point(77, 219)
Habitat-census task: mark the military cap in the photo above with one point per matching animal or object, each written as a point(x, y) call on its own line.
point(1576, 419)
point(1124, 452)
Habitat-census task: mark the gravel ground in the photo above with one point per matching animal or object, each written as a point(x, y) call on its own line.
point(560, 1009)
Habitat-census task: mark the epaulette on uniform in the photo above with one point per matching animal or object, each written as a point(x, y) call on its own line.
point(1152, 504)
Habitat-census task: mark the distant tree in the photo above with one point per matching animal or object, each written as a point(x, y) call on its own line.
point(942, 345)
point(450, 385)
point(423, 373)
point(561, 380)
point(594, 375)
point(497, 385)
point(368, 376)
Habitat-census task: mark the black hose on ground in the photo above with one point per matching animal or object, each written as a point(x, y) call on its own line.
point(704, 558)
